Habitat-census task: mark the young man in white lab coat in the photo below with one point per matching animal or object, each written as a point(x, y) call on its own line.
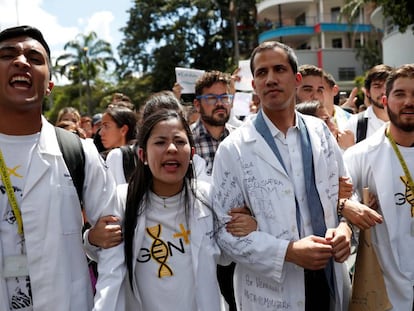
point(274, 263)
point(42, 262)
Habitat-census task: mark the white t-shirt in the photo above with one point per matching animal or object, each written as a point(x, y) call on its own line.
point(17, 152)
point(404, 200)
point(374, 123)
point(164, 269)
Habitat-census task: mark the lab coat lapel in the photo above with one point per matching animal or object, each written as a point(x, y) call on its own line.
point(47, 146)
point(197, 231)
point(263, 150)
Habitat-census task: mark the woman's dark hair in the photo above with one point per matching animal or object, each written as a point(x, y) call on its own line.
point(309, 107)
point(142, 180)
point(124, 116)
point(161, 100)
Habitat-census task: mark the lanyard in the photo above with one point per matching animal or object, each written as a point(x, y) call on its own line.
point(403, 164)
point(10, 194)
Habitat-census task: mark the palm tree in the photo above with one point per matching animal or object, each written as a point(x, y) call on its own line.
point(351, 8)
point(90, 56)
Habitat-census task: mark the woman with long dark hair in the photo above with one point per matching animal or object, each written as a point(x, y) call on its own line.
point(169, 243)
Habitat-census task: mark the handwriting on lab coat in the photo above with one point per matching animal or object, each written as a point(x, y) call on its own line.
point(271, 303)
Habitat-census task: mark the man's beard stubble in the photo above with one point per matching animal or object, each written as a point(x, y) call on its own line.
point(214, 121)
point(375, 103)
point(394, 119)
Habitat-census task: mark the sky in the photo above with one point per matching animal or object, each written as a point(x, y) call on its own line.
point(61, 21)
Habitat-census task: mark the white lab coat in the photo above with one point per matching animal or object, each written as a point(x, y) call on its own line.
point(246, 171)
point(53, 222)
point(205, 256)
point(369, 166)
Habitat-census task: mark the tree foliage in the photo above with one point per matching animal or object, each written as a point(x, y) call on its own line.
point(401, 12)
point(163, 34)
point(88, 56)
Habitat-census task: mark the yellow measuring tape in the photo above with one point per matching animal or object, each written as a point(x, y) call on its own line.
point(10, 194)
point(403, 164)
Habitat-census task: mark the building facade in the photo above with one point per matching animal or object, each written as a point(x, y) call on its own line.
point(393, 38)
point(318, 33)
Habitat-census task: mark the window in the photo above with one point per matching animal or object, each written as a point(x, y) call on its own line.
point(335, 14)
point(300, 20)
point(337, 43)
point(346, 73)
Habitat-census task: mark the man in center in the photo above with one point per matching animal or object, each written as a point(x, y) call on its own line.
point(285, 167)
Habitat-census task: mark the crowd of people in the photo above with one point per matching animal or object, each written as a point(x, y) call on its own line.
point(196, 209)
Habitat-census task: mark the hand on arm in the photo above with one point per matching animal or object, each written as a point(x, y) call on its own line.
point(361, 215)
point(312, 252)
point(242, 222)
point(106, 232)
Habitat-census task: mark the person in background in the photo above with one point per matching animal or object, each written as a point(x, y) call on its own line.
point(86, 125)
point(317, 109)
point(169, 252)
point(384, 163)
point(213, 100)
point(155, 102)
point(69, 114)
point(192, 115)
point(71, 127)
point(96, 123)
point(331, 89)
point(296, 259)
point(119, 126)
point(120, 99)
point(319, 85)
point(42, 261)
point(364, 124)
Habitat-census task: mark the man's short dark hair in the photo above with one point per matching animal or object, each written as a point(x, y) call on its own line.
point(209, 78)
point(404, 71)
point(271, 45)
point(28, 31)
point(377, 73)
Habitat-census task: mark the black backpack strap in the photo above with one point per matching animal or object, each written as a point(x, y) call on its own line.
point(74, 156)
point(362, 125)
point(128, 160)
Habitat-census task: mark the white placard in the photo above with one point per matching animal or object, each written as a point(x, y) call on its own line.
point(245, 83)
point(241, 103)
point(186, 78)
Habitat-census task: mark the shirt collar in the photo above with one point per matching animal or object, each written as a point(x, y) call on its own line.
point(274, 130)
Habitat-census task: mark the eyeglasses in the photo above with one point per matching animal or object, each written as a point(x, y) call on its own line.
point(211, 99)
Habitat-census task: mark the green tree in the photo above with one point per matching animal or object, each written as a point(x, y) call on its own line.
point(88, 57)
point(163, 34)
point(401, 12)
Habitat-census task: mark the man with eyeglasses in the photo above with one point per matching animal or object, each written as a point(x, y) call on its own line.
point(213, 101)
